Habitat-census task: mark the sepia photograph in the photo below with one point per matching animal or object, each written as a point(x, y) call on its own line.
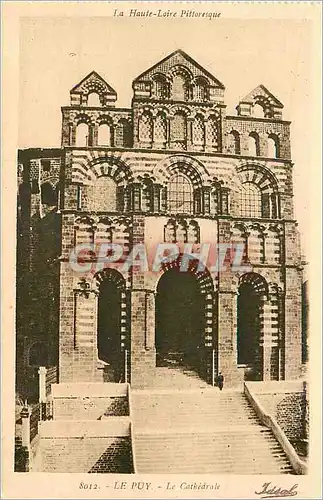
point(163, 254)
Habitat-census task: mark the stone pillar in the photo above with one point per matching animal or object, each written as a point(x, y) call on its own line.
point(42, 371)
point(25, 420)
point(209, 358)
point(85, 359)
point(95, 135)
point(266, 339)
point(293, 327)
point(143, 352)
point(227, 317)
point(227, 337)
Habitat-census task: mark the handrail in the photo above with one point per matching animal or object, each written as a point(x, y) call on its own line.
point(132, 437)
point(269, 421)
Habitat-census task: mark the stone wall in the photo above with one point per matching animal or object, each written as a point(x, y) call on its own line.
point(84, 446)
point(285, 401)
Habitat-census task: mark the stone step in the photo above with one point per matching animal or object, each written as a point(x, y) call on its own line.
point(203, 432)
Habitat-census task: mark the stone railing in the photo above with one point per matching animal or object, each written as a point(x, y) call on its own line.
point(269, 421)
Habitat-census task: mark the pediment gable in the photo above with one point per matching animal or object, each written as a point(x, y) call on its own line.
point(261, 93)
point(93, 82)
point(179, 59)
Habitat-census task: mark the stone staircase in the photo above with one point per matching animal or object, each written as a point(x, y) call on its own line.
point(202, 431)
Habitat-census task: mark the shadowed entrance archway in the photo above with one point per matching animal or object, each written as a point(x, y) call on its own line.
point(251, 294)
point(110, 329)
point(184, 318)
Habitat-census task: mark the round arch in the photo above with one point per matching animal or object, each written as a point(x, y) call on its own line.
point(185, 316)
point(112, 323)
point(252, 293)
point(110, 166)
point(191, 167)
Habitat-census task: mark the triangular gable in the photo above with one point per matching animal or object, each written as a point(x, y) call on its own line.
point(179, 57)
point(261, 91)
point(91, 79)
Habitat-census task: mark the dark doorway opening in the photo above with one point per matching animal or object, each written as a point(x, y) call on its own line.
point(180, 320)
point(249, 331)
point(109, 328)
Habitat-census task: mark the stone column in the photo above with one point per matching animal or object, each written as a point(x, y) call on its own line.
point(85, 359)
point(227, 337)
point(42, 371)
point(227, 317)
point(143, 352)
point(25, 419)
point(143, 355)
point(293, 327)
point(266, 338)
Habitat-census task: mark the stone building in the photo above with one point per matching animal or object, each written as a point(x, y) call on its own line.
point(173, 168)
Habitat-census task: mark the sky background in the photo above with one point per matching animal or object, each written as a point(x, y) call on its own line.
point(56, 53)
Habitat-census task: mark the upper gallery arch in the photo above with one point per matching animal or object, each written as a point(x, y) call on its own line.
point(187, 165)
point(178, 77)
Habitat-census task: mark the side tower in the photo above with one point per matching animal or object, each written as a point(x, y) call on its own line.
point(268, 300)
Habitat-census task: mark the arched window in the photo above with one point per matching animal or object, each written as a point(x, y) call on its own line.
point(179, 127)
point(234, 142)
point(181, 232)
point(250, 200)
point(254, 144)
point(180, 194)
point(146, 128)
point(104, 135)
point(123, 136)
point(93, 100)
point(170, 232)
point(193, 233)
point(273, 146)
point(200, 91)
point(160, 128)
point(258, 111)
point(102, 195)
point(160, 87)
point(198, 131)
point(212, 131)
point(82, 135)
point(179, 88)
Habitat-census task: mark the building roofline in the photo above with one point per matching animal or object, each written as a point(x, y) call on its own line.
point(186, 56)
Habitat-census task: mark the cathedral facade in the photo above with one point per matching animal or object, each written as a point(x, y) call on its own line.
point(174, 168)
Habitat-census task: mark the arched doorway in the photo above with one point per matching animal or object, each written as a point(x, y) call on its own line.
point(184, 319)
point(110, 341)
point(251, 293)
